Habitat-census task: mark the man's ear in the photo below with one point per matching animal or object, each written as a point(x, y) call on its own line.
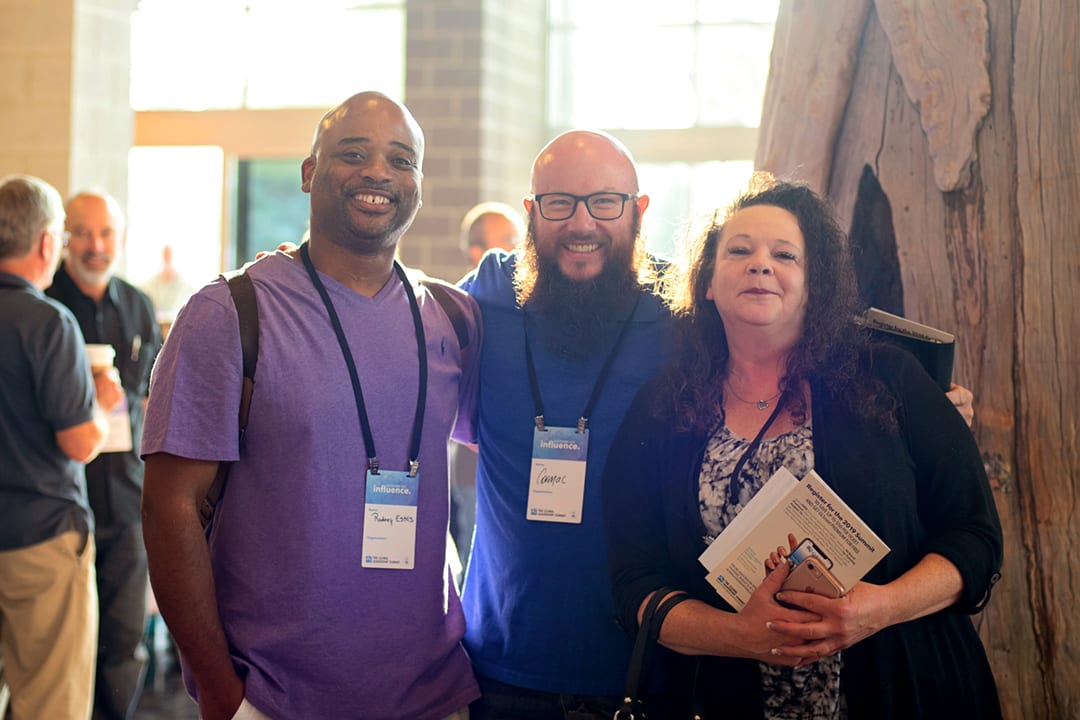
point(307, 169)
point(528, 204)
point(642, 204)
point(48, 246)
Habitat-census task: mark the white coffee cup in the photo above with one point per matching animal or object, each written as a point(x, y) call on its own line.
point(101, 356)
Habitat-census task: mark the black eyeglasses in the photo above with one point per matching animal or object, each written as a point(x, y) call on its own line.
point(601, 205)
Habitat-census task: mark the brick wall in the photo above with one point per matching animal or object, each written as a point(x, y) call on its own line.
point(475, 82)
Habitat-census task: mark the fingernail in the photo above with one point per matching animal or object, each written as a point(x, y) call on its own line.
point(774, 651)
point(768, 625)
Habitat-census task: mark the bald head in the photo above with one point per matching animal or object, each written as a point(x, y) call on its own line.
point(373, 104)
point(599, 160)
point(95, 224)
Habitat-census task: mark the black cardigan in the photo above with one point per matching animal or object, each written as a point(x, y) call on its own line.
point(922, 490)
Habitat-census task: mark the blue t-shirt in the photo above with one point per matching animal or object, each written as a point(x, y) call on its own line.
point(537, 597)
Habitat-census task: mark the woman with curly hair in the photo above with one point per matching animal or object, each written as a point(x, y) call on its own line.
point(767, 348)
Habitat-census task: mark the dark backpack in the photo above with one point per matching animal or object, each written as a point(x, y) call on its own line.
point(247, 310)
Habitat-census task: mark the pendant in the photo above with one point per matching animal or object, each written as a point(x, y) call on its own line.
point(762, 404)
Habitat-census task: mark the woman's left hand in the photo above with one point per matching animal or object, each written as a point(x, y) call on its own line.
point(932, 585)
point(844, 621)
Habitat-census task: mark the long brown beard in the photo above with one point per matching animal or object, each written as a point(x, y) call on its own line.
point(579, 317)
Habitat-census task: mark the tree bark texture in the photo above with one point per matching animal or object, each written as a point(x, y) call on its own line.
point(966, 113)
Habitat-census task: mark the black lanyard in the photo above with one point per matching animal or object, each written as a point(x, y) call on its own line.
point(534, 385)
point(733, 486)
point(421, 351)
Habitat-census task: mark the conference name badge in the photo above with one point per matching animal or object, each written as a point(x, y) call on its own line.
point(390, 501)
point(557, 477)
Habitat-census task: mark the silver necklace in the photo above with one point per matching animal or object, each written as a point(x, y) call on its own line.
point(761, 404)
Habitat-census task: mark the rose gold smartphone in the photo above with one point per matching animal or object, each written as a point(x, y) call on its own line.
point(812, 576)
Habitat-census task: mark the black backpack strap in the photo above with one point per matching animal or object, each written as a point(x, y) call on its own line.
point(441, 292)
point(247, 311)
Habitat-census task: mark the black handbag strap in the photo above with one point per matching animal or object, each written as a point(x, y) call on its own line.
point(652, 619)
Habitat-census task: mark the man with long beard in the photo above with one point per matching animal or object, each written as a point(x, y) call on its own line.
point(574, 328)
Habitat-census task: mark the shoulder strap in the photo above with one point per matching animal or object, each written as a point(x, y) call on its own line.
point(440, 291)
point(247, 310)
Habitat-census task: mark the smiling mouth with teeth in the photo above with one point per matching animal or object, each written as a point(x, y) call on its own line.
point(373, 199)
point(582, 247)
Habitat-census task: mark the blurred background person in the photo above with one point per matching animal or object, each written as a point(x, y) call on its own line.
point(51, 426)
point(168, 290)
point(490, 225)
point(113, 312)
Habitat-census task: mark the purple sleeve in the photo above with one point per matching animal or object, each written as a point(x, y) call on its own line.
point(194, 397)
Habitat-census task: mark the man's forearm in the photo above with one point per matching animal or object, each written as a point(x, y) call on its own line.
point(183, 584)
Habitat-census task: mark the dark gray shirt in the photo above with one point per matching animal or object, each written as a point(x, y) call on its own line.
point(45, 386)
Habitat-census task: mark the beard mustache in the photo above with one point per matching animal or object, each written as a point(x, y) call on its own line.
point(581, 317)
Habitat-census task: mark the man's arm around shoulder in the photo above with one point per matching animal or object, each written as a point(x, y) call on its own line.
point(183, 583)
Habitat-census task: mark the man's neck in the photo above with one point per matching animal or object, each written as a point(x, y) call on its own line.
point(94, 292)
point(364, 274)
point(33, 273)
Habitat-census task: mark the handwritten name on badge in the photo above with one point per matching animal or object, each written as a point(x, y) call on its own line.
point(544, 477)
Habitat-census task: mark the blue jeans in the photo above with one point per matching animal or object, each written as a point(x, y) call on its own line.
point(502, 701)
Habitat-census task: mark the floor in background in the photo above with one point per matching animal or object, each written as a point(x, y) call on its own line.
point(166, 699)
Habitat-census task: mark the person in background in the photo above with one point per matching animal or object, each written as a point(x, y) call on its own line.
point(167, 289)
point(322, 589)
point(111, 311)
point(486, 226)
point(765, 347)
point(51, 426)
point(573, 326)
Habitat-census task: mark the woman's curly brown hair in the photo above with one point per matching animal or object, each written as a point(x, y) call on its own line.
point(828, 350)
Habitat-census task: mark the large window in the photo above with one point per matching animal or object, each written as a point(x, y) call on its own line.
point(228, 54)
point(270, 207)
point(174, 199)
point(681, 81)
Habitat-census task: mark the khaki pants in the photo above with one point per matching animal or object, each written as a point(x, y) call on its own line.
point(247, 712)
point(48, 627)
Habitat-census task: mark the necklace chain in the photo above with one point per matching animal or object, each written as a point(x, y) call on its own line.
point(760, 404)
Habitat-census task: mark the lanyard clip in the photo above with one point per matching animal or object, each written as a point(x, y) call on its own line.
point(373, 465)
point(540, 423)
point(414, 467)
point(581, 423)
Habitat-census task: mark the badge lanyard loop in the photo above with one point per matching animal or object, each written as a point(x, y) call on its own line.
point(733, 485)
point(534, 384)
point(421, 350)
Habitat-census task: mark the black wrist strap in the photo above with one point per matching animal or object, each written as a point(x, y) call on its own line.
point(652, 620)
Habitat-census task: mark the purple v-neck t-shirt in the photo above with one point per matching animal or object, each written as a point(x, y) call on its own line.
point(318, 635)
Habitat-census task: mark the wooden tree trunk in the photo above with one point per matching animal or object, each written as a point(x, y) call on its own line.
point(988, 248)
